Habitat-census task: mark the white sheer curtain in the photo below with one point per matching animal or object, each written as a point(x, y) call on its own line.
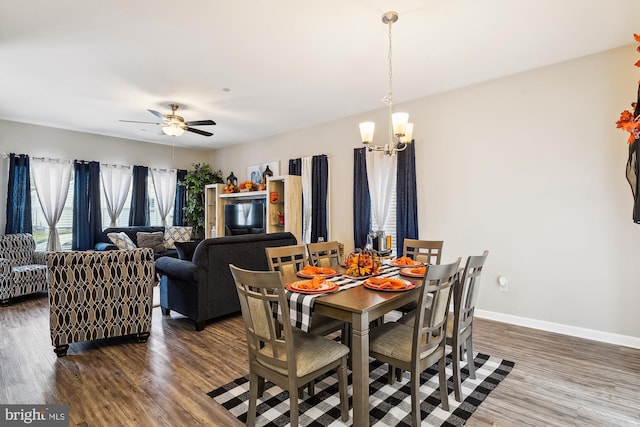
point(51, 178)
point(381, 176)
point(307, 168)
point(116, 180)
point(164, 185)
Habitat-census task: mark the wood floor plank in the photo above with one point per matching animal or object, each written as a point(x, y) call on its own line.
point(557, 380)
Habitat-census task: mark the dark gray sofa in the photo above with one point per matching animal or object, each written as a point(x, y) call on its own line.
point(202, 288)
point(104, 244)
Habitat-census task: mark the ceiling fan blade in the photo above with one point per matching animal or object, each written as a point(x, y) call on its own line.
point(200, 123)
point(201, 132)
point(158, 115)
point(135, 121)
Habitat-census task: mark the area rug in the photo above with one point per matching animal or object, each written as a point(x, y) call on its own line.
point(389, 405)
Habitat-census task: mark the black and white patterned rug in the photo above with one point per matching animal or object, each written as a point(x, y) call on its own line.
point(389, 405)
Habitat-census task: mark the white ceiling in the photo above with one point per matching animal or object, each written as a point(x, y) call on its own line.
point(85, 64)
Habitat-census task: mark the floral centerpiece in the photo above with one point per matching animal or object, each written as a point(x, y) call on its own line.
point(248, 186)
point(362, 263)
point(630, 121)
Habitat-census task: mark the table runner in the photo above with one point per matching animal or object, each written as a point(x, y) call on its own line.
point(301, 305)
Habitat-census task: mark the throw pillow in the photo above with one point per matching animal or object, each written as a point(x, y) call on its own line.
point(176, 234)
point(121, 240)
point(153, 240)
point(186, 249)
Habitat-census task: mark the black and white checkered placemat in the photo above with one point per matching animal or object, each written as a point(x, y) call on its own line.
point(389, 405)
point(301, 305)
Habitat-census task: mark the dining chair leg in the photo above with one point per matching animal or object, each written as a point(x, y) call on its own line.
point(260, 386)
point(342, 389)
point(444, 392)
point(415, 399)
point(293, 405)
point(470, 360)
point(391, 375)
point(253, 398)
point(456, 351)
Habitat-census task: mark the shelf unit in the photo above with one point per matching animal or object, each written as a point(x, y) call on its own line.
point(213, 211)
point(289, 190)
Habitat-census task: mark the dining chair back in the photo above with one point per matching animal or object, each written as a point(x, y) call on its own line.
point(289, 359)
point(415, 347)
point(427, 251)
point(460, 325)
point(324, 254)
point(288, 260)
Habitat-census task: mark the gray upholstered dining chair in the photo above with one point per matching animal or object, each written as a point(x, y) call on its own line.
point(415, 347)
point(460, 325)
point(288, 260)
point(324, 254)
point(427, 251)
point(289, 359)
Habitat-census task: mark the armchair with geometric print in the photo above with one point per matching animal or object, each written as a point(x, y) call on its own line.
point(96, 295)
point(23, 270)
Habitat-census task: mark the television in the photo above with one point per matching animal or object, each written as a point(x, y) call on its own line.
point(245, 217)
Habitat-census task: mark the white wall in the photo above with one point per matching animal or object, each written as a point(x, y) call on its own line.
point(40, 141)
point(530, 167)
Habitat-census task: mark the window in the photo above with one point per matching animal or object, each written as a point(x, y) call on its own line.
point(154, 213)
point(123, 219)
point(64, 226)
point(390, 226)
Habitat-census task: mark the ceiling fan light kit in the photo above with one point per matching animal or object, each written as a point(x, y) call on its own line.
point(174, 125)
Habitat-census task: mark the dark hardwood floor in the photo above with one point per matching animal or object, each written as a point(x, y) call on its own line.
point(557, 380)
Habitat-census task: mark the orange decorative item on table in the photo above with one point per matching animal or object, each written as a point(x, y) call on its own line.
point(362, 263)
point(316, 285)
point(312, 271)
point(414, 272)
point(388, 284)
point(404, 261)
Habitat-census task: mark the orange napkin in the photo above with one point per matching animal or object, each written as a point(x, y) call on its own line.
point(310, 270)
point(419, 270)
point(313, 284)
point(386, 283)
point(405, 260)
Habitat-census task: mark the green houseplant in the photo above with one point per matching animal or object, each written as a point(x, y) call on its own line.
point(200, 175)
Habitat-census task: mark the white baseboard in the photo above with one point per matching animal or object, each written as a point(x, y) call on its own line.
point(591, 334)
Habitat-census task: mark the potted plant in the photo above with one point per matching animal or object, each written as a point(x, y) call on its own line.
point(200, 175)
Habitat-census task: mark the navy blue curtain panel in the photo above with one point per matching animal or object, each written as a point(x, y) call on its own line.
point(139, 213)
point(295, 167)
point(319, 185)
point(361, 198)
point(406, 198)
point(18, 196)
point(181, 199)
point(87, 217)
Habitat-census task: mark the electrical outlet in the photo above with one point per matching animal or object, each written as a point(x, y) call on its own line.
point(503, 284)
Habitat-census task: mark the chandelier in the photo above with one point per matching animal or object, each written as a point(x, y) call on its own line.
point(400, 131)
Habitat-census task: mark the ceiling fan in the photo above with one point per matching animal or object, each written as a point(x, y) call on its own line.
point(174, 125)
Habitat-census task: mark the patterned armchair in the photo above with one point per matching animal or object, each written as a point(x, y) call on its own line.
point(97, 295)
point(23, 270)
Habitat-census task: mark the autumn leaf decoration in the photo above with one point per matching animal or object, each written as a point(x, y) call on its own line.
point(627, 121)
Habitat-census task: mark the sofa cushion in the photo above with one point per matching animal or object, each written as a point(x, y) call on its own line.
point(154, 241)
point(186, 249)
point(174, 234)
point(122, 240)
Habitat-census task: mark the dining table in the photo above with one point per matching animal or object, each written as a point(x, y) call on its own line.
point(358, 305)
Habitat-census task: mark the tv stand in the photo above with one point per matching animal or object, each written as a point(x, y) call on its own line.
point(289, 189)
